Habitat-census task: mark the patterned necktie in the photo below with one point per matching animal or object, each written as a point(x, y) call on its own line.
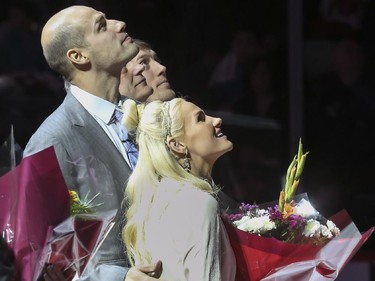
point(130, 146)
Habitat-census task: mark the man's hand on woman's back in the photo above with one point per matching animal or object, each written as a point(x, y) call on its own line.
point(145, 272)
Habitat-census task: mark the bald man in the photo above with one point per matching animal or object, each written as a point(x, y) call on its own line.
point(89, 51)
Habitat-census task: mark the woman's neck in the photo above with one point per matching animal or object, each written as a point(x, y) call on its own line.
point(202, 171)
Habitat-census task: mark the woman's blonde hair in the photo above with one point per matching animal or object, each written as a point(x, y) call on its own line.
point(152, 123)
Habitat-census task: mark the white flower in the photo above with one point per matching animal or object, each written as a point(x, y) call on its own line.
point(312, 228)
point(255, 225)
point(262, 212)
point(332, 227)
point(325, 231)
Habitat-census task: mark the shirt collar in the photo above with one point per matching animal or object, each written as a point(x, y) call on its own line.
point(96, 106)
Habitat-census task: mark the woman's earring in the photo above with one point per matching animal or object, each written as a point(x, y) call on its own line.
point(186, 163)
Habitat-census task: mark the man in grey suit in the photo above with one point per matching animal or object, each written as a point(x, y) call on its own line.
point(89, 51)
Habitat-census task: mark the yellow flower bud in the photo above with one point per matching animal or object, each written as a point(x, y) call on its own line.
point(73, 196)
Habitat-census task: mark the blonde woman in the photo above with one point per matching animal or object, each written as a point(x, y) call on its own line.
point(173, 215)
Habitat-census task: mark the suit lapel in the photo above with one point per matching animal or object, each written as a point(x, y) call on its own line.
point(97, 140)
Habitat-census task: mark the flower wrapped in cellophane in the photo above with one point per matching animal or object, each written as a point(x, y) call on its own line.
point(288, 239)
point(39, 220)
point(72, 244)
point(33, 197)
point(301, 225)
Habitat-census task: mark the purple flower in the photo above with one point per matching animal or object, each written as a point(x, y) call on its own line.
point(233, 217)
point(248, 207)
point(296, 221)
point(274, 213)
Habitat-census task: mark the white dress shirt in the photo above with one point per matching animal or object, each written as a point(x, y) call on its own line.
point(102, 111)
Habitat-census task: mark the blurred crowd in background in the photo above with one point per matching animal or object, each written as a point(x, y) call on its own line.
point(232, 58)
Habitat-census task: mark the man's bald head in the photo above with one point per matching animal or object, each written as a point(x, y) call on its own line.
point(64, 31)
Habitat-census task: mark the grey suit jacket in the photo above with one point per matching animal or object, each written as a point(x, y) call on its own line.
point(90, 163)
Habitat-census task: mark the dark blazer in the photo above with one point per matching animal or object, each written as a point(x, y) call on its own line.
point(90, 163)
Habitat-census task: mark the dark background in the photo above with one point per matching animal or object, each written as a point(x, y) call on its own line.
point(257, 41)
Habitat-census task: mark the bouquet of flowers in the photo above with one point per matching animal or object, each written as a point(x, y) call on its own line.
point(72, 244)
point(302, 225)
point(33, 197)
point(288, 239)
point(42, 223)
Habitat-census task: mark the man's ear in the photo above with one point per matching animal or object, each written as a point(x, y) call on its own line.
point(77, 56)
point(176, 146)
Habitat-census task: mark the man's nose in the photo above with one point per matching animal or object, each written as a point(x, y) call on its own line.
point(119, 26)
point(161, 68)
point(217, 121)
